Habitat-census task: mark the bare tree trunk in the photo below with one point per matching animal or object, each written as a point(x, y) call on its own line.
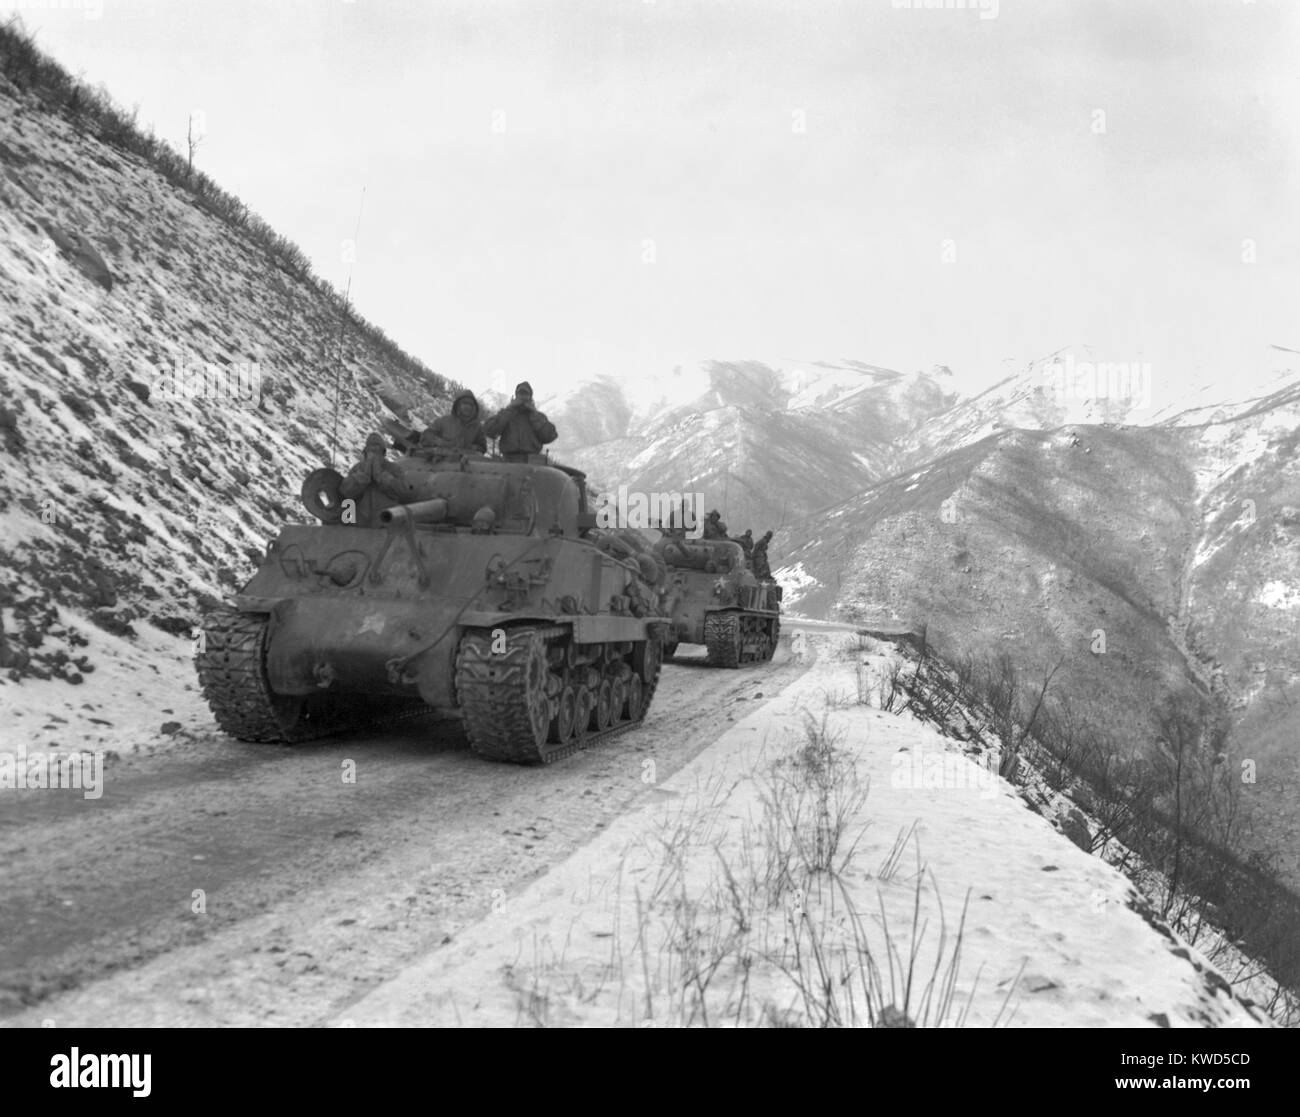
point(192, 142)
point(1178, 829)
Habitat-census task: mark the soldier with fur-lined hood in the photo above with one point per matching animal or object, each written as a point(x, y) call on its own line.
point(522, 429)
point(461, 430)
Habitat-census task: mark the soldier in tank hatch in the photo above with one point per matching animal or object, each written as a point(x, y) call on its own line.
point(368, 482)
point(761, 568)
point(714, 527)
point(746, 542)
point(521, 428)
point(461, 430)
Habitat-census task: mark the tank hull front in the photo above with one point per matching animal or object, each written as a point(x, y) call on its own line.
point(382, 611)
point(696, 595)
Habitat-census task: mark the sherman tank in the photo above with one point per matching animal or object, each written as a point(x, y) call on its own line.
point(451, 581)
point(716, 600)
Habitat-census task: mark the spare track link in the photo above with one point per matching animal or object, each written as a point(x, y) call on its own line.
point(232, 673)
point(492, 691)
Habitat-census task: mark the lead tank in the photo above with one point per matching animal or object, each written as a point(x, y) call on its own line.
point(716, 600)
point(455, 582)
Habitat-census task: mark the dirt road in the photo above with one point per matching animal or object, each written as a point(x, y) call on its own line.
point(222, 883)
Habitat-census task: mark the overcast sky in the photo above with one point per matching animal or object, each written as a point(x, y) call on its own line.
point(559, 190)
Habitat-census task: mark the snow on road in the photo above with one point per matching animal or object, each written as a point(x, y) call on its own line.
point(644, 927)
point(314, 889)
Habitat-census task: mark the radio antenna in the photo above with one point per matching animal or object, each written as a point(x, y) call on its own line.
point(343, 322)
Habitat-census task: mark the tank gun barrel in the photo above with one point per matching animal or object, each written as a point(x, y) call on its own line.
point(421, 512)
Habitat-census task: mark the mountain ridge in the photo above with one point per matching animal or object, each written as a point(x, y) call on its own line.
point(1006, 523)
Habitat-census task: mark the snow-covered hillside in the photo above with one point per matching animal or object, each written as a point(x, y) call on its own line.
point(124, 502)
point(1146, 558)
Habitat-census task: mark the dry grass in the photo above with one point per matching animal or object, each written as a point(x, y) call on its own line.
point(762, 927)
point(1168, 817)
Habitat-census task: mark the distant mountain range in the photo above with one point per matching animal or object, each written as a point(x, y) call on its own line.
point(1028, 519)
point(765, 447)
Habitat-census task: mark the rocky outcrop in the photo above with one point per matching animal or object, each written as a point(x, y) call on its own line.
point(78, 250)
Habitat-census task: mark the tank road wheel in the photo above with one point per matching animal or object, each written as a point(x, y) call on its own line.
point(773, 638)
point(503, 696)
point(566, 718)
point(632, 709)
point(617, 699)
point(232, 673)
point(722, 636)
point(758, 637)
point(583, 703)
point(601, 712)
point(536, 702)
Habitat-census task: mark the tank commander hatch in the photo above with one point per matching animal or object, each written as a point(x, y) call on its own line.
point(521, 428)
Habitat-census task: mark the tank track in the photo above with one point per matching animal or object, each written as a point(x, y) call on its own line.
point(232, 674)
point(720, 638)
point(653, 684)
point(501, 695)
point(726, 633)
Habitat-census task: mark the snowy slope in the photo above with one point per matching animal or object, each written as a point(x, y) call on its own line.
point(120, 507)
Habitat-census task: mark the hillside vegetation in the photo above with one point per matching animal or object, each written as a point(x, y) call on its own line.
point(131, 493)
point(1151, 562)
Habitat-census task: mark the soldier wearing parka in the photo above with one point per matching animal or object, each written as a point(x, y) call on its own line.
point(461, 430)
point(714, 526)
point(522, 429)
point(372, 484)
point(762, 570)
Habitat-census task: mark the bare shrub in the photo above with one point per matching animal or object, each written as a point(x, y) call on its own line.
point(1167, 813)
